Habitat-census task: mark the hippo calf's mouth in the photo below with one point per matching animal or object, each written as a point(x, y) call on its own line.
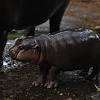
point(14, 50)
point(13, 53)
point(18, 54)
point(25, 53)
point(29, 56)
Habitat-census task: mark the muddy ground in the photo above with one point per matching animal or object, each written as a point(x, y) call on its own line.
point(16, 81)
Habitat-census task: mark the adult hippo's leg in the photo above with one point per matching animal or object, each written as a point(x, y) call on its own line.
point(55, 20)
point(3, 40)
point(30, 31)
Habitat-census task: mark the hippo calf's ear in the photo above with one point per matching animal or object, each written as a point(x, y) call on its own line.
point(21, 38)
point(36, 46)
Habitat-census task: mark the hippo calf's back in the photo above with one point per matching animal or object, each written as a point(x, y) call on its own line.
point(70, 48)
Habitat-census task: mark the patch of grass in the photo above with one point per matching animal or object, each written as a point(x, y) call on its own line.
point(13, 36)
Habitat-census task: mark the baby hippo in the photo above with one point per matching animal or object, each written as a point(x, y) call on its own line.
point(64, 51)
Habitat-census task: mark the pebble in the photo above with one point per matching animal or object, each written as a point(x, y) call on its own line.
point(8, 63)
point(69, 99)
point(61, 94)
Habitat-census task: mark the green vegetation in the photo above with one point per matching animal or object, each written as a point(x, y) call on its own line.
point(12, 36)
point(98, 88)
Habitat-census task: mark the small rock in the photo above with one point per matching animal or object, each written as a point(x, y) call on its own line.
point(61, 94)
point(68, 99)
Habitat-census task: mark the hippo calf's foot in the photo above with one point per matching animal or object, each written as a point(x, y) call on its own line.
point(51, 84)
point(48, 84)
point(52, 77)
point(39, 82)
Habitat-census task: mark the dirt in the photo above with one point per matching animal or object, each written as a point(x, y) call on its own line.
point(87, 12)
point(16, 84)
point(16, 79)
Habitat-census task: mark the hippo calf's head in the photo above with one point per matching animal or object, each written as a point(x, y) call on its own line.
point(26, 49)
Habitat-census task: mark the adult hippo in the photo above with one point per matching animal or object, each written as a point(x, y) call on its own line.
point(19, 14)
point(64, 51)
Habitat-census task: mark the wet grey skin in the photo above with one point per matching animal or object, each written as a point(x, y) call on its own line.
point(64, 51)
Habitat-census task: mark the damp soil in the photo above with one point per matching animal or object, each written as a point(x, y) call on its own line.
point(17, 85)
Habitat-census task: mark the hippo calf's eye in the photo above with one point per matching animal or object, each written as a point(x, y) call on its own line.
point(20, 47)
point(18, 41)
point(25, 47)
point(35, 45)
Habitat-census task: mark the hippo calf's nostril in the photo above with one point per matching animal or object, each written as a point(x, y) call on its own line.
point(10, 49)
point(10, 53)
point(20, 48)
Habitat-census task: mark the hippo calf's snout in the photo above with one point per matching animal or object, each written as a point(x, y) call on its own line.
point(12, 53)
point(23, 50)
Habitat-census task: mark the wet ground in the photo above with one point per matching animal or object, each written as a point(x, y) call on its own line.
point(16, 81)
point(17, 85)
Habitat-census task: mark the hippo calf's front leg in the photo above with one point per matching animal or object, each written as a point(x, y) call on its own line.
point(41, 80)
point(52, 77)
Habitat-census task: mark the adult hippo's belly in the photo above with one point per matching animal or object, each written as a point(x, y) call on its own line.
point(20, 14)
